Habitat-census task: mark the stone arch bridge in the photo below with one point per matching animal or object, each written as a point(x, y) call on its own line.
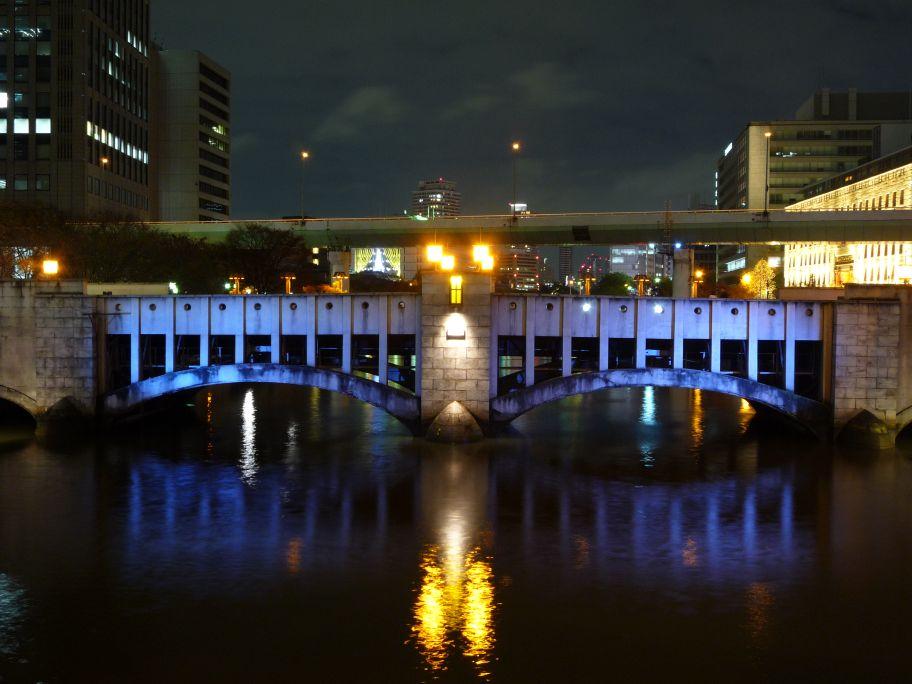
point(836, 366)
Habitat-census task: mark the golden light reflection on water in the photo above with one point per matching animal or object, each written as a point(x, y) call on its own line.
point(745, 413)
point(696, 419)
point(760, 601)
point(454, 610)
point(690, 555)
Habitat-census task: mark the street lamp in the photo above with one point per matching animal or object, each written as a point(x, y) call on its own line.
point(766, 202)
point(305, 155)
point(104, 161)
point(695, 284)
point(516, 148)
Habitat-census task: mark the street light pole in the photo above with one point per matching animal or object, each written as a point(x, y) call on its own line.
point(766, 202)
point(517, 148)
point(305, 155)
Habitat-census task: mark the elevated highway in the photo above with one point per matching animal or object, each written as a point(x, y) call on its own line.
point(615, 228)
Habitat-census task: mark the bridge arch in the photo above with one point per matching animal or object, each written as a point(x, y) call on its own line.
point(397, 403)
point(812, 415)
point(20, 400)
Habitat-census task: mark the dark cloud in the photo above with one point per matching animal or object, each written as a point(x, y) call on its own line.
point(621, 105)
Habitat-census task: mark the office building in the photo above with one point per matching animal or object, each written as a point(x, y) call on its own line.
point(436, 198)
point(519, 269)
point(883, 185)
point(192, 121)
point(832, 132)
point(75, 105)
point(564, 264)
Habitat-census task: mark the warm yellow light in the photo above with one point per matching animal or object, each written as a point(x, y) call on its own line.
point(487, 264)
point(517, 146)
point(698, 275)
point(448, 262)
point(434, 254)
point(746, 279)
point(50, 267)
point(305, 155)
point(456, 281)
point(768, 134)
point(104, 161)
point(480, 253)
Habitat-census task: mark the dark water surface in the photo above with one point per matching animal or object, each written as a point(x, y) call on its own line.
point(292, 535)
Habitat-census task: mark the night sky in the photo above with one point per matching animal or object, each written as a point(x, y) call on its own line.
point(621, 105)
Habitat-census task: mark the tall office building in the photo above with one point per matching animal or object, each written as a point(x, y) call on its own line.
point(564, 264)
point(831, 133)
point(192, 121)
point(75, 105)
point(436, 198)
point(519, 269)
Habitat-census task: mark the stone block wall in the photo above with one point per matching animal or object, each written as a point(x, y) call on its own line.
point(866, 360)
point(47, 345)
point(65, 366)
point(455, 370)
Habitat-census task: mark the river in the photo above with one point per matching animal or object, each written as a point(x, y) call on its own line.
point(279, 534)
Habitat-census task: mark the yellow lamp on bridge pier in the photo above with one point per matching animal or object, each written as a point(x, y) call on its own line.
point(50, 267)
point(434, 254)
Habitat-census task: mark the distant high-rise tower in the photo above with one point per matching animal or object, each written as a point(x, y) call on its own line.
point(564, 264)
point(75, 105)
point(194, 137)
point(436, 198)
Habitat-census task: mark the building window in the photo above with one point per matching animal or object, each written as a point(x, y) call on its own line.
point(20, 182)
point(42, 182)
point(456, 290)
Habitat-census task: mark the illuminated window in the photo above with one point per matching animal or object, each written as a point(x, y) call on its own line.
point(456, 290)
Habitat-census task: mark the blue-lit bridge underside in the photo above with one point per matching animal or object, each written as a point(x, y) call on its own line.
point(812, 415)
point(397, 403)
point(686, 227)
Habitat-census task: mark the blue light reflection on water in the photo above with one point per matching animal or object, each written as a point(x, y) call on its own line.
point(454, 542)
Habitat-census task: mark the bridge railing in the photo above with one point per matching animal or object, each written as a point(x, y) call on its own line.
point(147, 336)
point(536, 338)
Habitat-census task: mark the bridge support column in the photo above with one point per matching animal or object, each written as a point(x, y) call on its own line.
point(715, 339)
point(135, 351)
point(791, 325)
point(383, 345)
point(455, 346)
point(206, 324)
point(677, 358)
point(530, 342)
point(566, 339)
point(753, 320)
point(169, 337)
point(683, 274)
point(347, 336)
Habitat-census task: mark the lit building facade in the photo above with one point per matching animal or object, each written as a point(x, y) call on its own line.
point(193, 119)
point(883, 185)
point(436, 198)
point(75, 97)
point(832, 133)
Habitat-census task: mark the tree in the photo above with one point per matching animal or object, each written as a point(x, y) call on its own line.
point(760, 281)
point(261, 255)
point(613, 284)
